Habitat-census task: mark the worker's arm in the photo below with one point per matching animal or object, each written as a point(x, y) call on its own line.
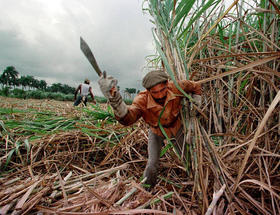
point(77, 90)
point(108, 86)
point(190, 87)
point(134, 112)
point(125, 114)
point(92, 96)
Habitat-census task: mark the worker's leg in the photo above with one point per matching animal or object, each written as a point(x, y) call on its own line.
point(154, 146)
point(78, 101)
point(85, 100)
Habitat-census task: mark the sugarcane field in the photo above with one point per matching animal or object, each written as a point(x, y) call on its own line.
point(201, 135)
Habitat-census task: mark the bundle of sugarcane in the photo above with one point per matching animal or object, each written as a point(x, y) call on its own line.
point(235, 54)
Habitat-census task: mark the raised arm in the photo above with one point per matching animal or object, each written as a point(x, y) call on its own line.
point(77, 90)
point(126, 115)
point(92, 96)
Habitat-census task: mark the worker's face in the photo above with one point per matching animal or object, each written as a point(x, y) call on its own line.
point(159, 91)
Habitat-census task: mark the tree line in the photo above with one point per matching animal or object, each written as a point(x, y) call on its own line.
point(11, 78)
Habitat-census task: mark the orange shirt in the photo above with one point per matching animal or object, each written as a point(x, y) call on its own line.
point(145, 106)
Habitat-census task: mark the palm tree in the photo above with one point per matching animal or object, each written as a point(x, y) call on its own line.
point(29, 80)
point(3, 80)
point(42, 85)
point(10, 76)
point(56, 87)
point(23, 81)
point(35, 83)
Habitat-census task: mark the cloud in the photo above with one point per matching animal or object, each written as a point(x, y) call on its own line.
point(42, 38)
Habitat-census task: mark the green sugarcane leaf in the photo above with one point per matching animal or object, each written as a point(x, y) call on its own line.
point(165, 196)
point(165, 149)
point(90, 133)
point(27, 145)
point(9, 157)
point(183, 10)
point(18, 144)
point(221, 34)
point(230, 37)
point(198, 14)
point(170, 182)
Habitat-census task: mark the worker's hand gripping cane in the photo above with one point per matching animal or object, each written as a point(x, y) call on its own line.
point(197, 102)
point(108, 86)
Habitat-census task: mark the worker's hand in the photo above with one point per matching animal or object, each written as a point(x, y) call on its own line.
point(94, 102)
point(108, 85)
point(197, 102)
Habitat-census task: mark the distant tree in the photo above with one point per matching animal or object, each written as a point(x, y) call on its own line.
point(35, 83)
point(9, 76)
point(42, 85)
point(56, 87)
point(30, 81)
point(130, 91)
point(2, 80)
point(16, 82)
point(23, 80)
point(66, 89)
point(62, 88)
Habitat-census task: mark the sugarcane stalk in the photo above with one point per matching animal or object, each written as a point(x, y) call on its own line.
point(26, 196)
point(11, 190)
point(216, 197)
point(220, 173)
point(4, 210)
point(130, 193)
point(37, 198)
point(156, 200)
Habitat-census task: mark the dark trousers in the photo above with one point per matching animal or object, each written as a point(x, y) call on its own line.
point(155, 144)
point(81, 99)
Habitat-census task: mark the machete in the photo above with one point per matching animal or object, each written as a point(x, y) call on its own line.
point(89, 55)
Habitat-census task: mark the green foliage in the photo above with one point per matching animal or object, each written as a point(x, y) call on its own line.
point(100, 99)
point(98, 113)
point(5, 91)
point(36, 94)
point(18, 93)
point(128, 101)
point(62, 88)
point(58, 96)
point(46, 122)
point(130, 90)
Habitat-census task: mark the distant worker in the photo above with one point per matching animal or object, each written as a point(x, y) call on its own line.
point(84, 90)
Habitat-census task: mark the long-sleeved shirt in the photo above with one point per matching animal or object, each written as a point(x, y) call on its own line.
point(145, 106)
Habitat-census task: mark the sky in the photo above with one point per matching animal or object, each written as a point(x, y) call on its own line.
point(42, 39)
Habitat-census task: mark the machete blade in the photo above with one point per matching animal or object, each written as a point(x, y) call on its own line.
point(89, 55)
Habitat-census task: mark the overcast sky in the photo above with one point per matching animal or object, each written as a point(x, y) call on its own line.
point(42, 38)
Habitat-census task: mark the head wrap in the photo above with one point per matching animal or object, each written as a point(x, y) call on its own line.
point(86, 81)
point(153, 78)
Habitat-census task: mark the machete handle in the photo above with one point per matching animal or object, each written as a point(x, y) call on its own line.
point(104, 74)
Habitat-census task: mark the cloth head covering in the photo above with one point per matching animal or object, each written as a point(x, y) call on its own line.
point(153, 78)
point(86, 81)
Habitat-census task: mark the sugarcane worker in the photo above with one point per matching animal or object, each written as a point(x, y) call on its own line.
point(84, 89)
point(160, 95)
